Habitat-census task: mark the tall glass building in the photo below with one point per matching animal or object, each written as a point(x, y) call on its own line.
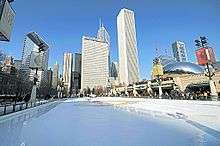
point(76, 72)
point(31, 44)
point(179, 51)
point(127, 45)
point(114, 70)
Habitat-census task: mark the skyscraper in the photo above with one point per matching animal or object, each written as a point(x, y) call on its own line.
point(55, 79)
point(103, 34)
point(76, 72)
point(127, 45)
point(114, 70)
point(179, 51)
point(49, 78)
point(32, 44)
point(95, 60)
point(67, 72)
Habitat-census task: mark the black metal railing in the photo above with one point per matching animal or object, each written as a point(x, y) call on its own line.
point(7, 108)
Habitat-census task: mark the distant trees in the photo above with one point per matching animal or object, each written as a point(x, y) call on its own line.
point(93, 90)
point(98, 91)
point(86, 91)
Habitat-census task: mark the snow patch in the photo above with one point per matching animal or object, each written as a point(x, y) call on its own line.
point(206, 113)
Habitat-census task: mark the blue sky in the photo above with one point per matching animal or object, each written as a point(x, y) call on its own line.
point(159, 23)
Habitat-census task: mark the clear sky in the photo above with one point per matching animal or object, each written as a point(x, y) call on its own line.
point(62, 23)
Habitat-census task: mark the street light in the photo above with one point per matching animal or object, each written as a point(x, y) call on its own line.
point(60, 88)
point(36, 60)
point(108, 87)
point(198, 43)
point(158, 73)
point(205, 57)
point(204, 41)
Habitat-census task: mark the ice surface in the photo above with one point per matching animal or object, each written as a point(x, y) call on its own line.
point(203, 113)
point(78, 123)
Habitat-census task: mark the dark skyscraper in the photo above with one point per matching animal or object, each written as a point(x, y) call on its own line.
point(76, 72)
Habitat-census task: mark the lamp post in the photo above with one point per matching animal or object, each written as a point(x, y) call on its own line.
point(158, 73)
point(205, 57)
point(108, 88)
point(36, 62)
point(159, 81)
point(35, 66)
point(60, 88)
point(34, 88)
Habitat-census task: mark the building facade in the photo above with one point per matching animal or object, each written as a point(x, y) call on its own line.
point(67, 72)
point(179, 51)
point(114, 70)
point(55, 79)
point(95, 60)
point(17, 64)
point(127, 45)
point(49, 78)
point(32, 44)
point(76, 72)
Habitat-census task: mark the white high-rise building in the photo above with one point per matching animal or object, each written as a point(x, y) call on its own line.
point(179, 51)
point(95, 60)
point(67, 72)
point(31, 44)
point(127, 45)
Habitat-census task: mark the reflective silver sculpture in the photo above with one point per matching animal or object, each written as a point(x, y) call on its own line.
point(172, 66)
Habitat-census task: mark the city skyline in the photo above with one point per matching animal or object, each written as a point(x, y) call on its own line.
point(154, 29)
point(110, 72)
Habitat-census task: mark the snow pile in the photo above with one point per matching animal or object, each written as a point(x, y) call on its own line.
point(75, 100)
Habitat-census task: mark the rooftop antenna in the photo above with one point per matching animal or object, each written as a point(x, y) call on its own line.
point(100, 23)
point(157, 52)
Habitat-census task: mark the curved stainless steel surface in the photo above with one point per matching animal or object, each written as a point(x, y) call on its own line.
point(184, 67)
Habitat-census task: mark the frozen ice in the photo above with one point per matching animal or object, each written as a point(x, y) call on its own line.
point(80, 123)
